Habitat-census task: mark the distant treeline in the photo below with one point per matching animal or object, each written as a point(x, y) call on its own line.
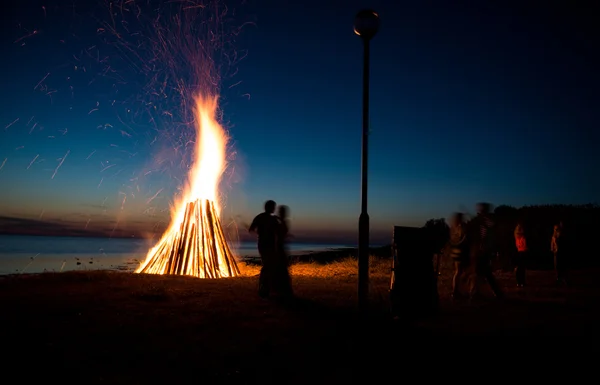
point(581, 223)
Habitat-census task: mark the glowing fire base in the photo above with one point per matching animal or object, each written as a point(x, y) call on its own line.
point(198, 248)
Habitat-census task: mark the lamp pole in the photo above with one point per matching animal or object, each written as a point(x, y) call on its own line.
point(366, 25)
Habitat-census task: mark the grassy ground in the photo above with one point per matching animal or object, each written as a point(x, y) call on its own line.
point(122, 328)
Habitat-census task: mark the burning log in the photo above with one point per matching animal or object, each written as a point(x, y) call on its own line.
point(197, 248)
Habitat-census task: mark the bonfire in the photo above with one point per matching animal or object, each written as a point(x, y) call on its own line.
point(194, 243)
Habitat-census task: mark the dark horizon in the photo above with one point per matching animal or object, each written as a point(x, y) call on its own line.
point(36, 227)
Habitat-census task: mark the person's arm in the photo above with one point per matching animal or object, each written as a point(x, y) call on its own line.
point(253, 225)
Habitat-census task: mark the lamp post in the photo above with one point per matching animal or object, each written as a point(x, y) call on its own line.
point(366, 25)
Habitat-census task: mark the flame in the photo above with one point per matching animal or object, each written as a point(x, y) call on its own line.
point(194, 243)
point(205, 175)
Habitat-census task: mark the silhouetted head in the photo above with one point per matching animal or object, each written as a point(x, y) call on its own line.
point(456, 219)
point(283, 211)
point(270, 206)
point(483, 208)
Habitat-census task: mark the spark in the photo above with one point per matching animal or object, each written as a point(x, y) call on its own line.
point(60, 164)
point(89, 156)
point(236, 84)
point(30, 262)
point(100, 184)
point(124, 133)
point(124, 199)
point(87, 223)
point(154, 196)
point(33, 161)
point(25, 37)
point(32, 128)
point(18, 148)
point(44, 78)
point(64, 132)
point(107, 167)
point(247, 95)
point(10, 124)
point(42, 214)
point(92, 110)
point(3, 163)
point(30, 119)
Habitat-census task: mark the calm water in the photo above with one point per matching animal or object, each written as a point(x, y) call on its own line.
point(31, 254)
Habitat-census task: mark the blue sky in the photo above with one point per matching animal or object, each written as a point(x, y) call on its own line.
point(469, 102)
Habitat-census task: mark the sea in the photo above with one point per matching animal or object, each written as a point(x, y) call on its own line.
point(24, 254)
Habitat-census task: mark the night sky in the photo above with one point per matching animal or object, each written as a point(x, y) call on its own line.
point(469, 101)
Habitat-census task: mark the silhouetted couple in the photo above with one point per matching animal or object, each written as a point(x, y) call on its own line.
point(272, 233)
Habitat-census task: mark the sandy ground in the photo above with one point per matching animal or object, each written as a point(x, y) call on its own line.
point(122, 328)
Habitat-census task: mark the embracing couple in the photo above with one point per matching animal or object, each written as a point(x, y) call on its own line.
point(272, 231)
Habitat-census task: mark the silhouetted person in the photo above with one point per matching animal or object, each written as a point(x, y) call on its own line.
point(266, 226)
point(522, 252)
point(558, 247)
point(284, 284)
point(482, 248)
point(458, 251)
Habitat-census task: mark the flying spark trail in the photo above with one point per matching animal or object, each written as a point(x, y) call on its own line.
point(107, 167)
point(10, 124)
point(154, 196)
point(30, 262)
point(92, 110)
point(87, 223)
point(44, 78)
point(60, 164)
point(42, 214)
point(20, 147)
point(33, 161)
point(25, 37)
point(29, 121)
point(100, 183)
point(3, 163)
point(32, 128)
point(89, 156)
point(236, 84)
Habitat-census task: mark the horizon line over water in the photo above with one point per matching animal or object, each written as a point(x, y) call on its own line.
point(36, 254)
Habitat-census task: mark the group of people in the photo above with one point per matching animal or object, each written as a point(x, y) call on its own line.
point(472, 248)
point(273, 233)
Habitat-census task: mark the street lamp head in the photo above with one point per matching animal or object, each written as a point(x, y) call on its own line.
point(366, 23)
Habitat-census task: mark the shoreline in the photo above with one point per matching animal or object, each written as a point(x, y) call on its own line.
point(82, 263)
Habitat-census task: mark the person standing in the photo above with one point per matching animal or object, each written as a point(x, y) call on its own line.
point(522, 251)
point(482, 249)
point(284, 284)
point(458, 251)
point(557, 245)
point(266, 226)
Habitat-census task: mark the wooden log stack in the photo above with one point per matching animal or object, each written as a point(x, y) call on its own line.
point(198, 248)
